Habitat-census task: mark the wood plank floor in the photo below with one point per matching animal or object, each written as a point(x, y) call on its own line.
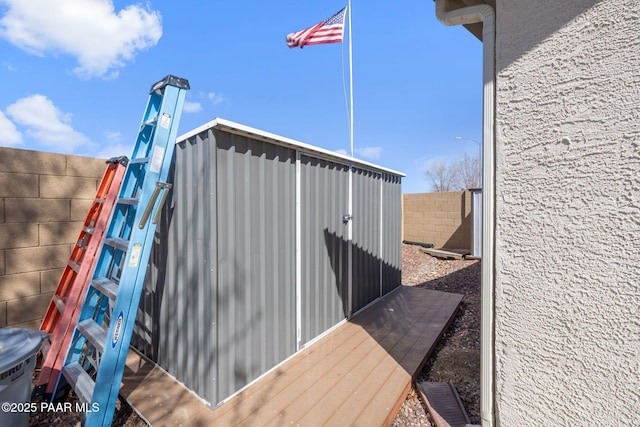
point(357, 375)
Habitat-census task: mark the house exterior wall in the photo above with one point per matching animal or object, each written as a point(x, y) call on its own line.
point(441, 218)
point(567, 272)
point(44, 200)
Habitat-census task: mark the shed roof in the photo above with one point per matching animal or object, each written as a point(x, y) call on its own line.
point(239, 129)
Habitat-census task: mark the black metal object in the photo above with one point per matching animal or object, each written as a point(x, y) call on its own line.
point(123, 160)
point(424, 245)
point(172, 80)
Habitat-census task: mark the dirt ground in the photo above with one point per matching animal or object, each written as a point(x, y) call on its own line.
point(455, 360)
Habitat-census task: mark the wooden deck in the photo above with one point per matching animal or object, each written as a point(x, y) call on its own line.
point(358, 375)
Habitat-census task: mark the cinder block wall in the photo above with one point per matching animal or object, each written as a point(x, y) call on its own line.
point(44, 200)
point(443, 219)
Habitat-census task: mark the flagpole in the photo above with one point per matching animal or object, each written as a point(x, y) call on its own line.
point(350, 183)
point(350, 80)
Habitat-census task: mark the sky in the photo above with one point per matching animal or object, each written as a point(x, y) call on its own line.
point(75, 76)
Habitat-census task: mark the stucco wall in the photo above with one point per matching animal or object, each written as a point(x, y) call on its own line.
point(44, 200)
point(567, 280)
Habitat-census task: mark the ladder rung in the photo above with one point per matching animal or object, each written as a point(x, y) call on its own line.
point(139, 160)
point(74, 266)
point(117, 242)
point(81, 382)
point(94, 333)
point(128, 201)
point(107, 287)
point(59, 302)
point(149, 122)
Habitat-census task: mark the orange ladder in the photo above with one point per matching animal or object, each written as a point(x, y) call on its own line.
point(63, 310)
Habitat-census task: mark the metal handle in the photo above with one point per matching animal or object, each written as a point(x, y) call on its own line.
point(166, 187)
point(160, 186)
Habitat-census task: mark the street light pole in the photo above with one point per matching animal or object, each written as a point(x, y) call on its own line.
point(479, 156)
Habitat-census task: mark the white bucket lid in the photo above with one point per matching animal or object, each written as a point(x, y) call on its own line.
point(17, 345)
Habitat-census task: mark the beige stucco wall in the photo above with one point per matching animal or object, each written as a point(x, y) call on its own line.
point(44, 200)
point(567, 282)
point(442, 218)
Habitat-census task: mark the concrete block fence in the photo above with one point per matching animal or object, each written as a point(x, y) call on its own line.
point(443, 219)
point(44, 200)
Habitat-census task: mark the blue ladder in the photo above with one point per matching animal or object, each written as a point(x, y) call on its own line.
point(95, 358)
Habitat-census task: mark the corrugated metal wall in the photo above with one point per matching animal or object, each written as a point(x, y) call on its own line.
point(219, 307)
point(187, 308)
point(324, 199)
point(178, 308)
point(476, 222)
point(226, 307)
point(366, 261)
point(391, 232)
point(256, 258)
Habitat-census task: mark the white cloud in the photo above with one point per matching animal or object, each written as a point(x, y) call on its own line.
point(342, 151)
point(369, 152)
point(115, 150)
point(422, 162)
point(45, 123)
point(100, 38)
point(113, 135)
point(113, 147)
point(8, 66)
point(192, 107)
point(9, 135)
point(214, 98)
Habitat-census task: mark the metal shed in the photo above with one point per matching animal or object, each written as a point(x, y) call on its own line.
point(257, 256)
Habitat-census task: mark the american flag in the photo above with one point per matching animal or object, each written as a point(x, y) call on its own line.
point(327, 31)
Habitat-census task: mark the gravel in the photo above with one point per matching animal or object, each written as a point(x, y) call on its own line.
point(456, 359)
point(60, 416)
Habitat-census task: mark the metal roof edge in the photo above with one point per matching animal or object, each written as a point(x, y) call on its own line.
point(197, 130)
point(240, 129)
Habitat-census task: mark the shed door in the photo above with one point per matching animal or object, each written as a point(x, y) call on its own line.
point(324, 195)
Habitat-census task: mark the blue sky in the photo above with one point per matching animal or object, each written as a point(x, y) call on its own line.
point(75, 76)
